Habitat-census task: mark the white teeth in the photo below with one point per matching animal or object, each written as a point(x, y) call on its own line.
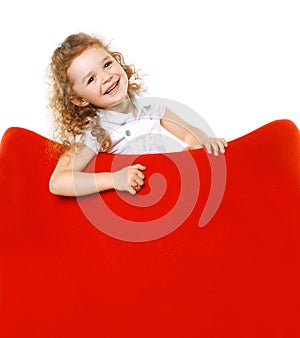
point(112, 88)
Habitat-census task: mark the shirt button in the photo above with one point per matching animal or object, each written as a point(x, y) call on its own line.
point(128, 133)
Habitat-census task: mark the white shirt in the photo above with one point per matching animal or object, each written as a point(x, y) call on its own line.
point(129, 133)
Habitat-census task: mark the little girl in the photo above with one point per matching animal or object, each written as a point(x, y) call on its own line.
point(95, 104)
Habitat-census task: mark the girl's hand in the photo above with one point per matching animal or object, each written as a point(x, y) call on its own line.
point(212, 145)
point(129, 179)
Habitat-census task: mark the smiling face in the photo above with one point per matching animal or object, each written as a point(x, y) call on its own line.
point(97, 78)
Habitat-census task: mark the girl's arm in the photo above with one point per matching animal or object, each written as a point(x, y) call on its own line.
point(68, 178)
point(191, 135)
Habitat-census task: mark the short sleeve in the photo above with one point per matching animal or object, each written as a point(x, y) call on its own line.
point(90, 141)
point(152, 106)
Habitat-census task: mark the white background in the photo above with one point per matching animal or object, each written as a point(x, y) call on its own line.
point(235, 62)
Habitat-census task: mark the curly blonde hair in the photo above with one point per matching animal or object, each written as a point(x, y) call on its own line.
point(69, 119)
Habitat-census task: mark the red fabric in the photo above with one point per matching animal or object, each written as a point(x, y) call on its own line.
point(237, 276)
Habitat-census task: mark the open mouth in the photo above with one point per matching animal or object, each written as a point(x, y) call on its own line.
point(111, 89)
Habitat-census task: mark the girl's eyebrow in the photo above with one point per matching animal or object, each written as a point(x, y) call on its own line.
point(90, 73)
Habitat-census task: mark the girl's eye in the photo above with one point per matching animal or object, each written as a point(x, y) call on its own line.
point(91, 79)
point(107, 64)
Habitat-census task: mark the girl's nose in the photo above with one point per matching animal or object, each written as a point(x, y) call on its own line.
point(106, 76)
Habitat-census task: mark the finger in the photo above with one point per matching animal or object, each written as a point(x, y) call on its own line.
point(138, 166)
point(208, 147)
point(137, 187)
point(140, 175)
point(211, 147)
point(224, 142)
point(138, 181)
point(215, 148)
point(136, 176)
point(221, 146)
point(135, 180)
point(131, 190)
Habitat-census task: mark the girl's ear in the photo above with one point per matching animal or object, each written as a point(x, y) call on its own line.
point(78, 101)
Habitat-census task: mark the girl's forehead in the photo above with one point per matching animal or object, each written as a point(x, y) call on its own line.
point(95, 51)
